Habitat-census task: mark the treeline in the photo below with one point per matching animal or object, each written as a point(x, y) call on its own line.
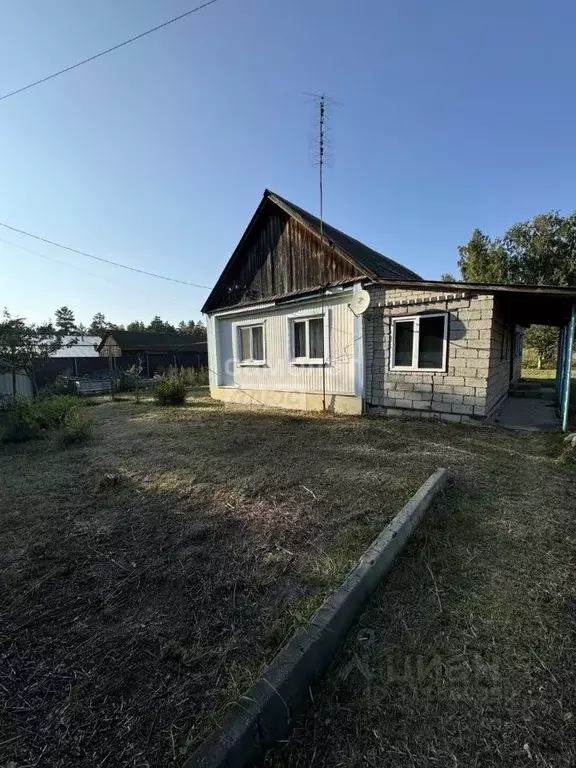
point(541, 251)
point(65, 323)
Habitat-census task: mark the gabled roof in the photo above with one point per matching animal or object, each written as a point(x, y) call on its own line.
point(369, 262)
point(147, 341)
point(364, 257)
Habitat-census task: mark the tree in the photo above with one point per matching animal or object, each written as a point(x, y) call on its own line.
point(65, 321)
point(81, 330)
point(541, 251)
point(160, 326)
point(136, 325)
point(99, 326)
point(448, 277)
point(544, 340)
point(483, 260)
point(23, 347)
point(188, 327)
point(200, 330)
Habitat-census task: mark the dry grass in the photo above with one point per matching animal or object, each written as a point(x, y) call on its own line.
point(467, 655)
point(148, 575)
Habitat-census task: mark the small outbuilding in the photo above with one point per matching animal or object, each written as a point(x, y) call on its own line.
point(154, 350)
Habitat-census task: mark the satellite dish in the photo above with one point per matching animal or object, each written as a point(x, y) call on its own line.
point(360, 302)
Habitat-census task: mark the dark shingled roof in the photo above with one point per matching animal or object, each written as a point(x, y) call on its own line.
point(146, 341)
point(365, 257)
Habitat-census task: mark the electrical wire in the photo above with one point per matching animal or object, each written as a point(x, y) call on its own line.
point(100, 258)
point(108, 50)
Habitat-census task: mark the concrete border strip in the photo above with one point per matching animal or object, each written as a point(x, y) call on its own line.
point(267, 712)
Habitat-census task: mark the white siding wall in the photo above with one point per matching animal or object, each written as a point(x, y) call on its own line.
point(23, 385)
point(279, 373)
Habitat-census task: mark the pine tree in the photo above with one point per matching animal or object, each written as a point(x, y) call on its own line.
point(99, 326)
point(65, 321)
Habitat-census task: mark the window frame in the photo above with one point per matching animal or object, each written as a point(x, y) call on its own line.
point(307, 360)
point(250, 361)
point(518, 344)
point(506, 348)
point(415, 319)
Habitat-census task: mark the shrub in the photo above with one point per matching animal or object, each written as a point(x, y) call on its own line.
point(20, 423)
point(130, 379)
point(30, 419)
point(61, 385)
point(170, 392)
point(51, 412)
point(76, 427)
point(192, 377)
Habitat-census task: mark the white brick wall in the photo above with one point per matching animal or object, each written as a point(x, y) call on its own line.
point(458, 394)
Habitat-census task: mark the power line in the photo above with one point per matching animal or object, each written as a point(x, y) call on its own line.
point(100, 258)
point(109, 50)
point(50, 258)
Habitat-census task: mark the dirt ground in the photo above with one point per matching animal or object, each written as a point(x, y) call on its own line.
point(147, 575)
point(467, 655)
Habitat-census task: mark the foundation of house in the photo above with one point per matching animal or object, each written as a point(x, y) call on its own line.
point(296, 401)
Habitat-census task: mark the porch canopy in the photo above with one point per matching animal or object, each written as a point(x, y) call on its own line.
point(524, 305)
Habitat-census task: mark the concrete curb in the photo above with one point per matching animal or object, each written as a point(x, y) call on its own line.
point(267, 712)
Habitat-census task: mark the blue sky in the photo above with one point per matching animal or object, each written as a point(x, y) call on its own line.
point(456, 114)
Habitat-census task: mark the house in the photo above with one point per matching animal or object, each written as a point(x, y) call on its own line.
point(286, 326)
point(154, 350)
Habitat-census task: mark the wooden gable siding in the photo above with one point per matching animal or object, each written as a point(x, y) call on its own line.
point(279, 257)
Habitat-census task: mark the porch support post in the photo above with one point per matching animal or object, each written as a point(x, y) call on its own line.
point(560, 364)
point(568, 368)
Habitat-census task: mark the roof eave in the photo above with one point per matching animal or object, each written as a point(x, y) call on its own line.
point(423, 285)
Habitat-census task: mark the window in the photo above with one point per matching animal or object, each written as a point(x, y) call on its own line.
point(506, 343)
point(307, 340)
point(518, 344)
point(251, 344)
point(419, 343)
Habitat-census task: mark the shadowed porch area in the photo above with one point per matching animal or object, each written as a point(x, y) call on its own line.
point(530, 406)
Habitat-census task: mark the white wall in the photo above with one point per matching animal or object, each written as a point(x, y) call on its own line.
point(23, 385)
point(279, 373)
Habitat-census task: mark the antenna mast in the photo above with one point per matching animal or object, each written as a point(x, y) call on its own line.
point(322, 110)
point(322, 126)
point(322, 150)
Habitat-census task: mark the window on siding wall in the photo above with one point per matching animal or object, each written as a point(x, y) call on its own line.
point(308, 339)
point(419, 343)
point(251, 344)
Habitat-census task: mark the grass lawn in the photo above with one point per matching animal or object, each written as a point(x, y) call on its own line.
point(544, 376)
point(467, 655)
point(149, 574)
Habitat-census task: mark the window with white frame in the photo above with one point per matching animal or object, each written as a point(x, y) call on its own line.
point(307, 339)
point(419, 343)
point(251, 344)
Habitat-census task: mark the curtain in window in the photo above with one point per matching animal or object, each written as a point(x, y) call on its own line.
point(300, 339)
point(245, 343)
point(258, 343)
point(316, 328)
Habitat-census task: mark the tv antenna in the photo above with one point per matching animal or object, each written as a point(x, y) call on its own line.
point(322, 148)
